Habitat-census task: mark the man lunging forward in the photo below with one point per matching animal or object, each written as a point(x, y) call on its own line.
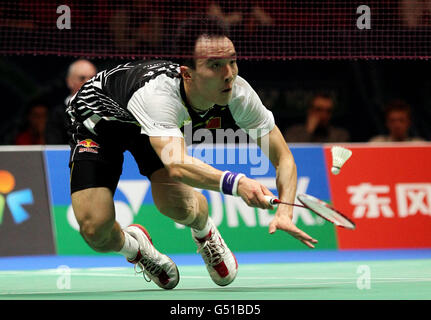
point(141, 107)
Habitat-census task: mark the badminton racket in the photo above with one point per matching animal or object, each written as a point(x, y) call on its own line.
point(320, 208)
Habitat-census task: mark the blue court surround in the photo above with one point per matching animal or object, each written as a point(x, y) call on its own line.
point(100, 261)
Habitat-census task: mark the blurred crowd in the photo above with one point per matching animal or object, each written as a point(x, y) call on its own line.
point(136, 24)
point(45, 123)
point(130, 26)
point(318, 127)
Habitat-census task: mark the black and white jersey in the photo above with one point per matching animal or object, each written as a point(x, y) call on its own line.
point(106, 95)
point(151, 94)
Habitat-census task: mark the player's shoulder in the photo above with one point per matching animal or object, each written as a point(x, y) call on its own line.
point(149, 64)
point(241, 86)
point(244, 95)
point(160, 91)
point(164, 86)
point(241, 91)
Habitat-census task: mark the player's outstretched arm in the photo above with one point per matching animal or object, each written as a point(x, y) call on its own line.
point(275, 147)
point(172, 151)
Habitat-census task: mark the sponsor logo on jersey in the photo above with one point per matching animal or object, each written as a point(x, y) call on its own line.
point(88, 145)
point(164, 125)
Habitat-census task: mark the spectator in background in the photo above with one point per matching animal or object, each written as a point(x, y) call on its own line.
point(229, 15)
point(250, 14)
point(137, 24)
point(318, 126)
point(34, 131)
point(415, 13)
point(78, 73)
point(19, 16)
point(398, 122)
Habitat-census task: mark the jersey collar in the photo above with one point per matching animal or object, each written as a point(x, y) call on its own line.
point(188, 105)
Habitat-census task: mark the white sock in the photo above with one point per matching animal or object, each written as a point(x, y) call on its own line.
point(130, 248)
point(205, 231)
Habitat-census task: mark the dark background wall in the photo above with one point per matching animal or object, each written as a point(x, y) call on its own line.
point(361, 89)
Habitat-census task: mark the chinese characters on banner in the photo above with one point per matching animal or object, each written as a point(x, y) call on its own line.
point(386, 190)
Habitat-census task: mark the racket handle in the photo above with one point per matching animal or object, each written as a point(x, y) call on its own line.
point(271, 200)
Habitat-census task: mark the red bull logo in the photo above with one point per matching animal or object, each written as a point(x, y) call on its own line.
point(88, 145)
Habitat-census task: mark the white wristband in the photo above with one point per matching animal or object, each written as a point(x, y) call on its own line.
point(235, 184)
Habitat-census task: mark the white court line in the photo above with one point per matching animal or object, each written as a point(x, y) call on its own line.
point(131, 275)
point(200, 288)
point(59, 270)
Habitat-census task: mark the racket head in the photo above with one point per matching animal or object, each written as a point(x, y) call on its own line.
point(325, 211)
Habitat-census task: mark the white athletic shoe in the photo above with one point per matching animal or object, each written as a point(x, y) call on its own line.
point(220, 261)
point(157, 266)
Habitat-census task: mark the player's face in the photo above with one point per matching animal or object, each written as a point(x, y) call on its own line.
point(215, 71)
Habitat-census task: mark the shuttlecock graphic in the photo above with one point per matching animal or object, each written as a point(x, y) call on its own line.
point(339, 157)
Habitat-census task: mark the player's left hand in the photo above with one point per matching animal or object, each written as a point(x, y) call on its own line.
point(284, 222)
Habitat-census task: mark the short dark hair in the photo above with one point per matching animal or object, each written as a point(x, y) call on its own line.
point(190, 31)
point(397, 105)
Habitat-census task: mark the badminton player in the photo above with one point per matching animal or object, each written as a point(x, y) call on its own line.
point(141, 107)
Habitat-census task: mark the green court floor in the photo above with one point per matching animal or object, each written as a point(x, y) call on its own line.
point(389, 279)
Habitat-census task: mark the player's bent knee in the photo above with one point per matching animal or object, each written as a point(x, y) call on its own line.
point(95, 233)
point(181, 214)
point(95, 213)
point(184, 205)
point(187, 214)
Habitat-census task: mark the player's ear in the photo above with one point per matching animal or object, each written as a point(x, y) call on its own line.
point(186, 72)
